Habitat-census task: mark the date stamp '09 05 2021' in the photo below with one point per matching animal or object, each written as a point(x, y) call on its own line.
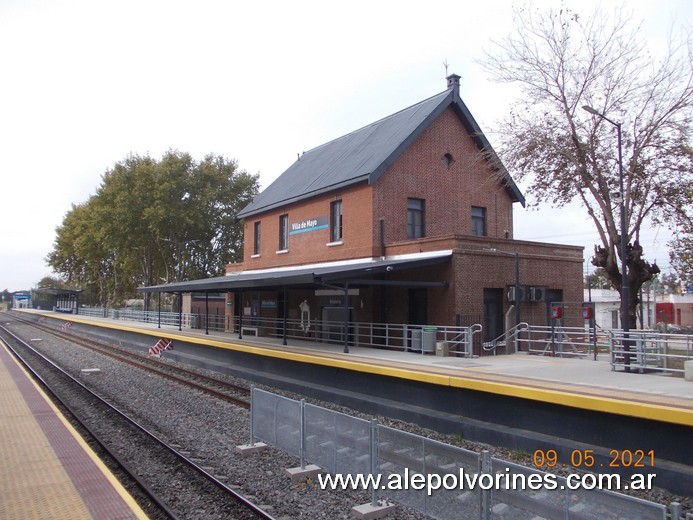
point(587, 459)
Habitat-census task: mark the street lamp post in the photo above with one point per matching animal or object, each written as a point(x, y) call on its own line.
point(625, 289)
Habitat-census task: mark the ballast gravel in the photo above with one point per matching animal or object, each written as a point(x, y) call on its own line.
point(209, 430)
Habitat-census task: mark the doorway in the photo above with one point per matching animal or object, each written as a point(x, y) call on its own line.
point(332, 325)
point(493, 314)
point(418, 307)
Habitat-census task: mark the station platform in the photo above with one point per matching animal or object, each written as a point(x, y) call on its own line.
point(517, 401)
point(48, 470)
point(585, 384)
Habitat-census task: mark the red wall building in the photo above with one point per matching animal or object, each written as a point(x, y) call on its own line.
point(423, 187)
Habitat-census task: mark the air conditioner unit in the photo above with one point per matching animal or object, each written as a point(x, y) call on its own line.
point(537, 294)
point(511, 293)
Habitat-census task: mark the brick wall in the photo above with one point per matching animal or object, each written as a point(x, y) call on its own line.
point(449, 190)
point(478, 267)
point(312, 246)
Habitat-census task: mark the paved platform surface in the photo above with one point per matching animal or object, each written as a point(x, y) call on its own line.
point(583, 383)
point(47, 470)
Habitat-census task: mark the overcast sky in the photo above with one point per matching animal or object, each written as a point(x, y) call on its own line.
point(84, 83)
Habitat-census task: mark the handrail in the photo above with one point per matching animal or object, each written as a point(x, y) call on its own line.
point(503, 338)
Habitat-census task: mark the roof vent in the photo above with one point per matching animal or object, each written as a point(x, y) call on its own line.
point(453, 81)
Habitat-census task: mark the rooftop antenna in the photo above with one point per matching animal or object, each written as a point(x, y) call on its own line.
point(446, 64)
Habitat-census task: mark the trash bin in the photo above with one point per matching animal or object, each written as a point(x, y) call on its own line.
point(428, 340)
point(415, 344)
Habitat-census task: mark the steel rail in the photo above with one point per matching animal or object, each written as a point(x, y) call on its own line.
point(237, 497)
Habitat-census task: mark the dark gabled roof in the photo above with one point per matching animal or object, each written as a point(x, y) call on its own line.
point(365, 154)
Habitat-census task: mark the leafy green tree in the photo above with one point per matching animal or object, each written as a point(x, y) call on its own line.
point(81, 255)
point(53, 282)
point(563, 62)
point(152, 222)
point(597, 280)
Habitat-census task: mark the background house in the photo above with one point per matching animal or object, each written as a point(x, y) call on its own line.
point(654, 309)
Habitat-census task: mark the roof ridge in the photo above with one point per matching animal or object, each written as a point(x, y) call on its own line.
point(379, 121)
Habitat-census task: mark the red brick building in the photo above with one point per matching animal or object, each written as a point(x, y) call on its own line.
point(412, 216)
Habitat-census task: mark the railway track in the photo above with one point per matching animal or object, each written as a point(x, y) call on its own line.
point(398, 457)
point(224, 390)
point(147, 460)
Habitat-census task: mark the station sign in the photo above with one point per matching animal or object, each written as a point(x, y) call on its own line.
point(309, 224)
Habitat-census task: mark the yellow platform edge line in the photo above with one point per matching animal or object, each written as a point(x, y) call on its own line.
point(586, 402)
point(610, 405)
point(125, 495)
point(599, 404)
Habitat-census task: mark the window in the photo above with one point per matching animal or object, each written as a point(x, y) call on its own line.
point(256, 239)
point(336, 221)
point(415, 218)
point(478, 221)
point(283, 232)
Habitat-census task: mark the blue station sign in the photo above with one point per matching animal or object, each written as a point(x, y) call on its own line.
point(310, 224)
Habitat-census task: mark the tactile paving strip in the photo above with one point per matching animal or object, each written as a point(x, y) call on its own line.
point(48, 472)
point(33, 482)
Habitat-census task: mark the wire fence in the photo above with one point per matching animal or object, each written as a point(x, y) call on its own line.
point(459, 483)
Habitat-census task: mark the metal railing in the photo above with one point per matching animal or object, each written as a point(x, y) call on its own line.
point(426, 339)
point(640, 350)
point(558, 341)
point(339, 443)
point(172, 319)
point(650, 351)
point(508, 340)
point(637, 350)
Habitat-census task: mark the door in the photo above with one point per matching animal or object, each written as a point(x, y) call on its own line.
point(418, 306)
point(332, 325)
point(493, 314)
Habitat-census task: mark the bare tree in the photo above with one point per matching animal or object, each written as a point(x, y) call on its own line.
point(563, 62)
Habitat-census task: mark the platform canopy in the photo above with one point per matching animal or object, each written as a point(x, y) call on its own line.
point(58, 292)
point(353, 272)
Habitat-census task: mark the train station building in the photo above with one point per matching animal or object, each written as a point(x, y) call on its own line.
point(408, 220)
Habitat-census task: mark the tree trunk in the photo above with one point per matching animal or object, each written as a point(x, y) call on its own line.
point(639, 272)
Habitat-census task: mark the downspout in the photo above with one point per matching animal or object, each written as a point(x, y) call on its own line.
point(180, 310)
point(286, 311)
point(206, 312)
point(240, 316)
